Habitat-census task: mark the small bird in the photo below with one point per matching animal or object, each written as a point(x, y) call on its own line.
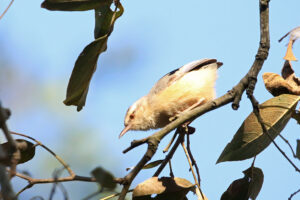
point(180, 90)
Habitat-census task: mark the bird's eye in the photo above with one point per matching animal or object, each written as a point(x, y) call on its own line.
point(131, 116)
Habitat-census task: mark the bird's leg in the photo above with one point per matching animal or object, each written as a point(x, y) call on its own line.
point(195, 105)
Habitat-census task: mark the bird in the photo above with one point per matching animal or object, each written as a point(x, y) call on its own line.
point(180, 90)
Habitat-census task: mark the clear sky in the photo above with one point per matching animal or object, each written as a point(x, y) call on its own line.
point(38, 51)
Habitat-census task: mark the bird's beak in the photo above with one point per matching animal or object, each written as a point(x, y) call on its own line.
point(127, 128)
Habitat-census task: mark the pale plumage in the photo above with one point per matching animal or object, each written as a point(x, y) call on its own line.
point(182, 89)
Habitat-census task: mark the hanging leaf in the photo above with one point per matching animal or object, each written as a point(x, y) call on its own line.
point(298, 150)
point(165, 188)
point(249, 140)
point(238, 190)
point(104, 17)
point(26, 149)
point(294, 35)
point(256, 178)
point(247, 187)
point(86, 63)
point(104, 178)
point(74, 5)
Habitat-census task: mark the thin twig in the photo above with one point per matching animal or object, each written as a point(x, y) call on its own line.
point(114, 195)
point(288, 143)
point(290, 198)
point(170, 154)
point(92, 195)
point(72, 176)
point(191, 167)
point(56, 174)
point(64, 191)
point(171, 170)
point(50, 151)
point(193, 159)
point(2, 15)
point(171, 142)
point(29, 185)
point(127, 180)
point(253, 162)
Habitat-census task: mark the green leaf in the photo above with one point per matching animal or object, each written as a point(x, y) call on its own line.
point(153, 164)
point(104, 178)
point(298, 150)
point(104, 17)
point(26, 149)
point(238, 190)
point(256, 177)
point(74, 5)
point(86, 63)
point(148, 166)
point(166, 188)
point(249, 140)
point(247, 187)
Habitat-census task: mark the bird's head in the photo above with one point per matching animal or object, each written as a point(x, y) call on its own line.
point(137, 117)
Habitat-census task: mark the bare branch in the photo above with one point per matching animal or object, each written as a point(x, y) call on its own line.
point(2, 15)
point(170, 154)
point(290, 198)
point(248, 83)
point(288, 143)
point(191, 167)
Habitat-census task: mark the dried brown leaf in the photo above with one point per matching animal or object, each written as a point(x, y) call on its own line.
point(288, 83)
point(167, 188)
point(26, 150)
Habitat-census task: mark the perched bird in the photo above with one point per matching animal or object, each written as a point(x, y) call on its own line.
point(180, 90)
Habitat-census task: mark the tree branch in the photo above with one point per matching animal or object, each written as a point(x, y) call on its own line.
point(248, 83)
point(72, 176)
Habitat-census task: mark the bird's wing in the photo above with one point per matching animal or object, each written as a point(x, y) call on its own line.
point(176, 74)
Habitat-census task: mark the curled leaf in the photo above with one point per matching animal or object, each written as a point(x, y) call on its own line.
point(166, 188)
point(294, 35)
point(288, 83)
point(249, 140)
point(238, 190)
point(26, 150)
point(86, 63)
point(74, 5)
point(104, 178)
point(247, 187)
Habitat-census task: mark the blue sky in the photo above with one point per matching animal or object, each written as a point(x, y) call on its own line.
point(39, 49)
